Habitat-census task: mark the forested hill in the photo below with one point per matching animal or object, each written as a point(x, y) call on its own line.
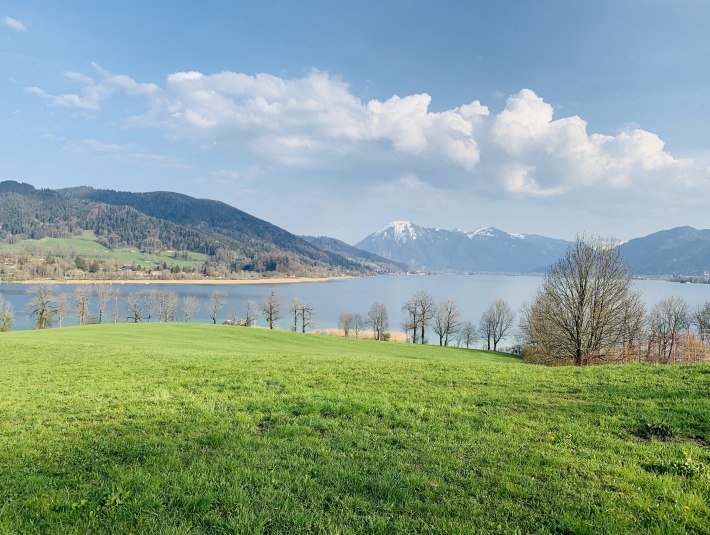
point(249, 231)
point(231, 238)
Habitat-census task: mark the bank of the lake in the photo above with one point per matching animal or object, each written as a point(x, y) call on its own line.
point(331, 297)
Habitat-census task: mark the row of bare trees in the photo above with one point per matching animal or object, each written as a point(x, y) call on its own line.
point(445, 318)
point(49, 308)
point(586, 311)
point(377, 319)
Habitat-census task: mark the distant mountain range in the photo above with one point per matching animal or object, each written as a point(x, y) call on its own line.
point(683, 250)
point(236, 241)
point(486, 249)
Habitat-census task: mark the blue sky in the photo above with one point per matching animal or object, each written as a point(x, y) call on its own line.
point(549, 117)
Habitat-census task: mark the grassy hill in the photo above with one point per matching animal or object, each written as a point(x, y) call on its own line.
point(214, 429)
point(89, 249)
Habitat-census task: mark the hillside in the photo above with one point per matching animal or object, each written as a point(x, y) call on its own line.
point(231, 241)
point(213, 429)
point(484, 250)
point(681, 250)
point(355, 255)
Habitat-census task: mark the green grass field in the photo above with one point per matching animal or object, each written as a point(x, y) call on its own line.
point(86, 247)
point(212, 429)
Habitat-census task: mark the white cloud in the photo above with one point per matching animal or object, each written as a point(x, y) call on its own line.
point(13, 24)
point(315, 122)
point(94, 92)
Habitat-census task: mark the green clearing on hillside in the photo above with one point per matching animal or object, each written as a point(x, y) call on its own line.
point(214, 429)
point(86, 247)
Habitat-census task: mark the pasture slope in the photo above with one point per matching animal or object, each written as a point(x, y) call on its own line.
point(213, 429)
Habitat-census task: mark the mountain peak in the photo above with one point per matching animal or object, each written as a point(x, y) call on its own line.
point(401, 231)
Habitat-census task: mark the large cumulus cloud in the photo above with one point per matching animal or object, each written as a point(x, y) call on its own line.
point(315, 121)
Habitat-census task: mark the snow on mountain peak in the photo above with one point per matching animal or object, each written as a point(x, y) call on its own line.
point(483, 232)
point(401, 231)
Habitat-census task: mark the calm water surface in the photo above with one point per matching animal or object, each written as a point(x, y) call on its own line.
point(473, 292)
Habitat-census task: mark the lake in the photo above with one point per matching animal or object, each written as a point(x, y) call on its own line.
point(474, 294)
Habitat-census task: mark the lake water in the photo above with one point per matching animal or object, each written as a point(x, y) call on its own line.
point(474, 294)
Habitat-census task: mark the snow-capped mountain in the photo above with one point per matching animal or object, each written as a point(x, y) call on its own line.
point(486, 249)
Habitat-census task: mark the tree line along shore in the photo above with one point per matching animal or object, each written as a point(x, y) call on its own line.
point(584, 313)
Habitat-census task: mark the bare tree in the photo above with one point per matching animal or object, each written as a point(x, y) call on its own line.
point(345, 322)
point(116, 300)
point(426, 309)
point(103, 296)
point(250, 316)
point(82, 294)
point(378, 320)
point(42, 307)
point(411, 323)
point(215, 303)
point(581, 306)
point(358, 323)
point(468, 334)
point(447, 320)
point(294, 309)
point(167, 306)
point(62, 308)
point(271, 308)
point(7, 316)
point(150, 304)
point(190, 306)
point(701, 320)
point(634, 320)
point(496, 322)
point(668, 318)
point(308, 316)
point(136, 305)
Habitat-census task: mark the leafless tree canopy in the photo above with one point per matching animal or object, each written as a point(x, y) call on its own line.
point(468, 334)
point(271, 308)
point(82, 294)
point(7, 316)
point(62, 308)
point(104, 293)
point(135, 305)
point(582, 306)
point(345, 322)
point(668, 318)
point(190, 306)
point(701, 320)
point(150, 304)
point(215, 303)
point(294, 309)
point(358, 323)
point(116, 300)
point(250, 316)
point(419, 311)
point(496, 322)
point(167, 306)
point(378, 320)
point(447, 321)
point(42, 306)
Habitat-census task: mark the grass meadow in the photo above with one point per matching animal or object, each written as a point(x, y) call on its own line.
point(89, 249)
point(212, 429)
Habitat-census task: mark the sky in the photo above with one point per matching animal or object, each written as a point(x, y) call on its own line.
point(334, 118)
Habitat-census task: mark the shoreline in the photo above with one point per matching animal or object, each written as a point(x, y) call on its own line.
point(276, 280)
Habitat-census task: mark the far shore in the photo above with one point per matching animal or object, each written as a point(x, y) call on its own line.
point(276, 280)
